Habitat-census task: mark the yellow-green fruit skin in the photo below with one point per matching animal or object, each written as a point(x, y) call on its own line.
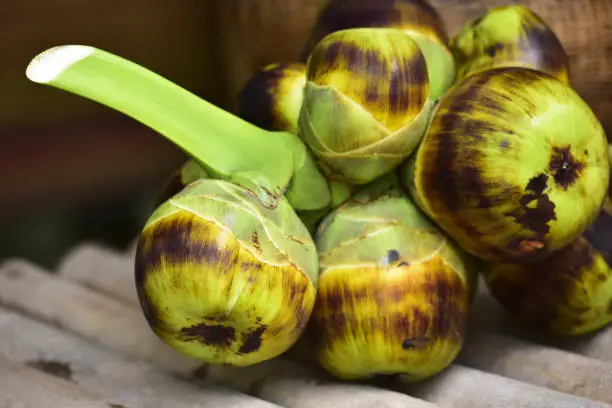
point(393, 291)
point(513, 167)
point(365, 103)
point(568, 293)
point(511, 35)
point(223, 279)
point(416, 18)
point(271, 99)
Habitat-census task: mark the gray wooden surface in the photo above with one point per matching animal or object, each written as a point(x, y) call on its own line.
point(77, 338)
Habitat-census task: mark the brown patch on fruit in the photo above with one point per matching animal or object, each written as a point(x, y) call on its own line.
point(534, 218)
point(393, 256)
point(215, 335)
point(536, 292)
point(252, 341)
point(564, 167)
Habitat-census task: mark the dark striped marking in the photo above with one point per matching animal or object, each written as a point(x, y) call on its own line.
point(341, 15)
point(255, 99)
point(368, 63)
point(337, 316)
point(169, 240)
point(540, 41)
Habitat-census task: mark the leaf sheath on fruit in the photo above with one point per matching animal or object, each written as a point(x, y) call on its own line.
point(366, 102)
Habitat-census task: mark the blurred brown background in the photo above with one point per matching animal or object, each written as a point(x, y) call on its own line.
point(71, 170)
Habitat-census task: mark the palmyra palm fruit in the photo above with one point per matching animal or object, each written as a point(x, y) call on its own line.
point(568, 293)
point(416, 18)
point(272, 97)
point(366, 103)
point(513, 167)
point(225, 270)
point(223, 279)
point(272, 165)
point(511, 35)
point(393, 291)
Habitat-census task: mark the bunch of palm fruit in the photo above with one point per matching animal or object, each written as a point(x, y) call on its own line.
point(358, 193)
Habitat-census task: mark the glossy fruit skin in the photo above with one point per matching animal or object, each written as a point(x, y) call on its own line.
point(393, 291)
point(223, 279)
point(568, 293)
point(366, 102)
point(512, 35)
point(513, 167)
point(272, 97)
point(416, 18)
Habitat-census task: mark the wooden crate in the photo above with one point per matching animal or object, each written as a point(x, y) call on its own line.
point(77, 338)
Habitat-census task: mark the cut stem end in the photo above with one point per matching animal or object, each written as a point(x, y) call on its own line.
point(51, 63)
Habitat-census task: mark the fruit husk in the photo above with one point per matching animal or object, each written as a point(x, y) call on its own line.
point(510, 35)
point(272, 97)
point(513, 166)
point(416, 18)
point(568, 293)
point(223, 279)
point(393, 292)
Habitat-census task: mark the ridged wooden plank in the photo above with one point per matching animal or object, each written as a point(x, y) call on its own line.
point(299, 385)
point(82, 310)
point(454, 379)
point(533, 363)
point(463, 387)
point(102, 269)
point(29, 289)
point(26, 387)
point(106, 372)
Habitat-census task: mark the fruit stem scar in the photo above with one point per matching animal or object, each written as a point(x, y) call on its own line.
point(564, 167)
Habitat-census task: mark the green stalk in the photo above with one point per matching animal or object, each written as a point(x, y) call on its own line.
point(269, 164)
